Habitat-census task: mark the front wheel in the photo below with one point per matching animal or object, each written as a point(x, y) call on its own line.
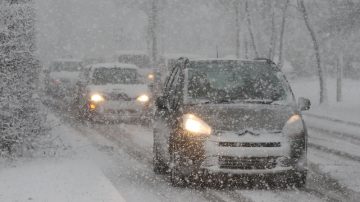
point(298, 179)
point(159, 165)
point(176, 177)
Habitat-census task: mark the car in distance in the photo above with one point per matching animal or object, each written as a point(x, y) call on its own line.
point(229, 117)
point(113, 91)
point(61, 77)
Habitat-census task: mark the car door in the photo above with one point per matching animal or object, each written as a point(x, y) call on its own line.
point(164, 117)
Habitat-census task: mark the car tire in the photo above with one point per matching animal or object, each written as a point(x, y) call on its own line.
point(299, 179)
point(158, 163)
point(176, 177)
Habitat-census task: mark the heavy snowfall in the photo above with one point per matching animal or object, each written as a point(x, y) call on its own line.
point(179, 100)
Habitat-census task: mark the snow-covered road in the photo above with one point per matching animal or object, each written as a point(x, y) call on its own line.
point(123, 155)
point(330, 178)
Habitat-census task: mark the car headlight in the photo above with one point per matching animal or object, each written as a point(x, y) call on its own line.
point(294, 125)
point(195, 125)
point(143, 98)
point(151, 77)
point(97, 98)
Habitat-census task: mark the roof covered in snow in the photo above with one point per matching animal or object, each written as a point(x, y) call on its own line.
point(114, 65)
point(131, 52)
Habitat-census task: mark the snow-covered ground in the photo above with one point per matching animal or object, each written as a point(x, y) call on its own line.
point(96, 162)
point(66, 171)
point(347, 110)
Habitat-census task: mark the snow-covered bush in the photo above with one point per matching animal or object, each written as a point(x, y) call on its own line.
point(20, 116)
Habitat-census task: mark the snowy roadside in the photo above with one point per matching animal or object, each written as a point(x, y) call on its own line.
point(334, 137)
point(347, 110)
point(64, 170)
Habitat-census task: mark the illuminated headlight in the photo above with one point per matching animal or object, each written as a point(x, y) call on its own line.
point(143, 98)
point(97, 98)
point(294, 125)
point(195, 125)
point(151, 76)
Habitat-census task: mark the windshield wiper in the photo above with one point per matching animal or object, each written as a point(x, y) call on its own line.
point(256, 101)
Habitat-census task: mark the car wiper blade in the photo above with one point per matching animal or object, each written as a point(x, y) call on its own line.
point(257, 101)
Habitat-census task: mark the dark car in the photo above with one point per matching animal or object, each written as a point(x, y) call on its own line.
point(232, 117)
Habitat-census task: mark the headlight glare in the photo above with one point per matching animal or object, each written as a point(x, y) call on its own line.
point(294, 126)
point(143, 98)
point(293, 119)
point(97, 98)
point(151, 76)
point(195, 125)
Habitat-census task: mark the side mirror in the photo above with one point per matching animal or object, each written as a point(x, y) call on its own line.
point(304, 104)
point(161, 103)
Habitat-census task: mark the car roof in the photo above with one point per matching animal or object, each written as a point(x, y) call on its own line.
point(227, 60)
point(114, 65)
point(131, 52)
point(179, 55)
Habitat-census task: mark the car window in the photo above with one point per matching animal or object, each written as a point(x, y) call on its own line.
point(234, 81)
point(103, 76)
point(69, 66)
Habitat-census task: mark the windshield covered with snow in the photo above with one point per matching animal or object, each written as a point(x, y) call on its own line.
point(68, 66)
point(234, 81)
point(103, 76)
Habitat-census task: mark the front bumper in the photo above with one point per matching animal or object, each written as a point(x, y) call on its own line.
point(246, 155)
point(119, 110)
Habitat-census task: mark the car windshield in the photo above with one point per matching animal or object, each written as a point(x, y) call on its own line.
point(69, 66)
point(235, 81)
point(102, 76)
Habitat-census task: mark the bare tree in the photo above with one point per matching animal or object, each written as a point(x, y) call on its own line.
point(273, 37)
point(251, 33)
point(151, 10)
point(234, 7)
point(282, 31)
point(237, 25)
point(322, 81)
point(153, 22)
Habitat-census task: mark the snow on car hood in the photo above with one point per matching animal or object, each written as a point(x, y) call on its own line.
point(131, 90)
point(70, 76)
point(238, 117)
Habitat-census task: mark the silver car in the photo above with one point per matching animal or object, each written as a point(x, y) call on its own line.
point(113, 91)
point(229, 118)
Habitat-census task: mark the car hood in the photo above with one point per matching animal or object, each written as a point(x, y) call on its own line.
point(131, 91)
point(242, 116)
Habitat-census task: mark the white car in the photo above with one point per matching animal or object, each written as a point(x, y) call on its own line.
point(113, 91)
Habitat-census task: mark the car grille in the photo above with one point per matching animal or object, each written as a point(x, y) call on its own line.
point(250, 144)
point(247, 163)
point(121, 111)
point(118, 96)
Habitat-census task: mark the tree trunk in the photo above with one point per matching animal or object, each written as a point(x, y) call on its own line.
point(153, 31)
point(237, 25)
point(322, 81)
point(248, 18)
point(273, 36)
point(246, 49)
point(283, 23)
point(339, 68)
